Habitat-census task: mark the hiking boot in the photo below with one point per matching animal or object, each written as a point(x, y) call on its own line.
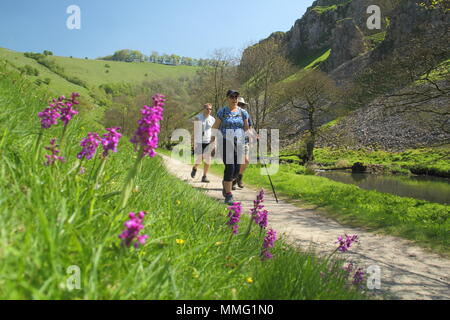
point(193, 172)
point(205, 179)
point(223, 189)
point(233, 187)
point(229, 199)
point(239, 181)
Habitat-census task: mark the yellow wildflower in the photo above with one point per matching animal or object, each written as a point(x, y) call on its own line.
point(249, 280)
point(180, 241)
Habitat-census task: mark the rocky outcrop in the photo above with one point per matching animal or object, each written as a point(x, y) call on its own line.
point(315, 30)
point(347, 43)
point(390, 128)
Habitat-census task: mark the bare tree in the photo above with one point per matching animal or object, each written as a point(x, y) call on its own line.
point(262, 66)
point(312, 95)
point(216, 77)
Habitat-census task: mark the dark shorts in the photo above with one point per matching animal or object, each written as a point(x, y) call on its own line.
point(203, 147)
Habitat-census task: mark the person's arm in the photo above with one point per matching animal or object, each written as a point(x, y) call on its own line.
point(215, 127)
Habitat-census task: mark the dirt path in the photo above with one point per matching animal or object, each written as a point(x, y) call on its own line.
point(407, 271)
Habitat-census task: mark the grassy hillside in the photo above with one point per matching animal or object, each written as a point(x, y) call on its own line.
point(58, 85)
point(57, 219)
point(94, 72)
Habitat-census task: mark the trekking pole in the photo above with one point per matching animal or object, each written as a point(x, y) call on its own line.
point(270, 180)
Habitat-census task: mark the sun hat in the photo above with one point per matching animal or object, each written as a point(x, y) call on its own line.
point(242, 101)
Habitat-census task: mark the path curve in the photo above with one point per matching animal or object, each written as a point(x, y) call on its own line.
point(407, 271)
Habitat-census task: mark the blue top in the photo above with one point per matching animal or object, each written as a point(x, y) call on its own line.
point(232, 120)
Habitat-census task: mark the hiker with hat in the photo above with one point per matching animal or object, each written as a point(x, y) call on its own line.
point(203, 146)
point(251, 134)
point(232, 123)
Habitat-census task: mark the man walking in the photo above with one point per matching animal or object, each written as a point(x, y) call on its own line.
point(203, 123)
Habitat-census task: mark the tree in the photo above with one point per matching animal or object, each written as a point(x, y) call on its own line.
point(312, 95)
point(261, 67)
point(154, 57)
point(215, 78)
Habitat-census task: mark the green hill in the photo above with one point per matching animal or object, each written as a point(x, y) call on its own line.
point(93, 72)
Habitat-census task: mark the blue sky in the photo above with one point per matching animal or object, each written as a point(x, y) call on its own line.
point(192, 28)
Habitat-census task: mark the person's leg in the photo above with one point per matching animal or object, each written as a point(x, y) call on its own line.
point(206, 158)
point(198, 159)
point(229, 167)
point(237, 165)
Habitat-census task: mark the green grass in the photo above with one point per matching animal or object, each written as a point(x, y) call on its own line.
point(53, 218)
point(431, 160)
point(312, 61)
point(333, 7)
point(376, 39)
point(93, 72)
point(57, 85)
point(424, 222)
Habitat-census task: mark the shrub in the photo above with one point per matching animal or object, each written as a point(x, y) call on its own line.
point(342, 163)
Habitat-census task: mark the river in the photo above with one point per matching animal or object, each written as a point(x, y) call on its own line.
point(427, 188)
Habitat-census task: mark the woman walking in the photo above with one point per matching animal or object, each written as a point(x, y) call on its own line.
point(232, 121)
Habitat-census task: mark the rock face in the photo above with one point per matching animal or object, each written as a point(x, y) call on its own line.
point(316, 29)
point(341, 25)
point(347, 43)
point(389, 129)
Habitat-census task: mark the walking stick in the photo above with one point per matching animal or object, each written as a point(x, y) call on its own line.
point(271, 184)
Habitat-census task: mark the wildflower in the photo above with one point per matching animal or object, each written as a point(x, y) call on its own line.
point(61, 108)
point(180, 241)
point(249, 280)
point(346, 243)
point(53, 157)
point(132, 229)
point(82, 170)
point(358, 277)
point(263, 219)
point(349, 267)
point(234, 214)
point(49, 117)
point(258, 215)
point(67, 112)
point(269, 242)
point(90, 145)
point(147, 133)
point(110, 140)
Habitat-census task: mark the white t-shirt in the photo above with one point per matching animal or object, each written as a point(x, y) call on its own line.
point(206, 125)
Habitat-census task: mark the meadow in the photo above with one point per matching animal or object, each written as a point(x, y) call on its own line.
point(68, 215)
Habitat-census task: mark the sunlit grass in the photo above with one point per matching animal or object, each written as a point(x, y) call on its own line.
point(53, 218)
